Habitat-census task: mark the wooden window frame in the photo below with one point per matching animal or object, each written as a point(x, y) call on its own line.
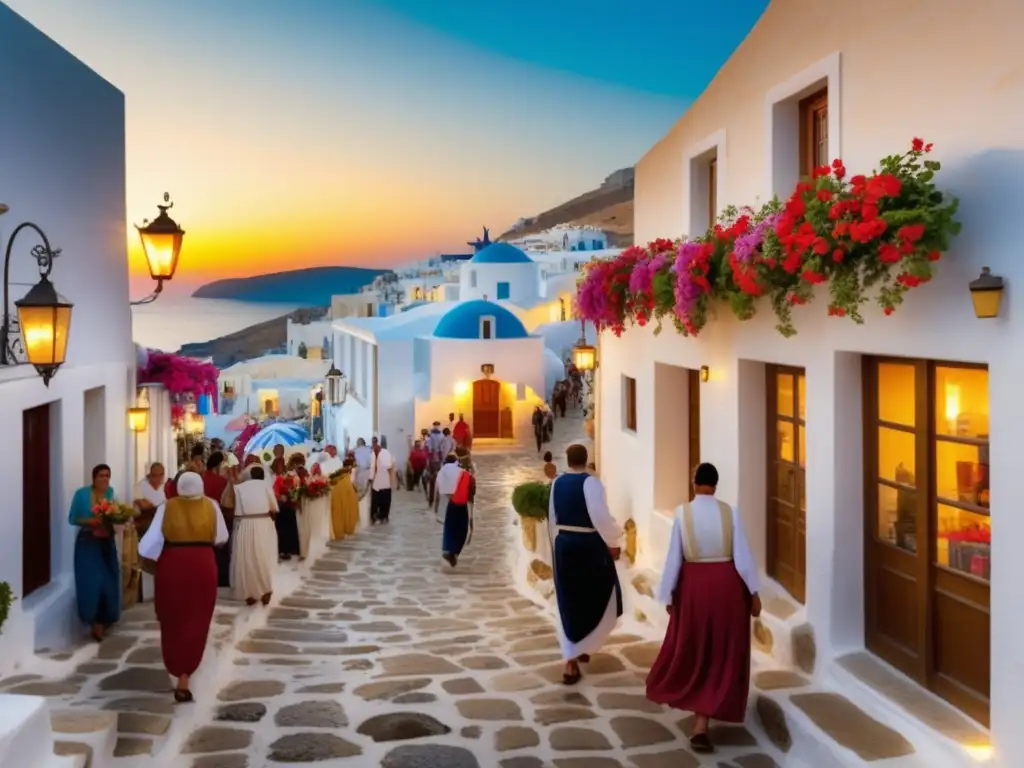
point(629, 419)
point(810, 108)
point(487, 327)
point(713, 191)
point(929, 575)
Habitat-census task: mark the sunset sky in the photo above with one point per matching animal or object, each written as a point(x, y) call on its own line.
point(314, 132)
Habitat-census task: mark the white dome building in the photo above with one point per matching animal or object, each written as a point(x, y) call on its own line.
point(501, 272)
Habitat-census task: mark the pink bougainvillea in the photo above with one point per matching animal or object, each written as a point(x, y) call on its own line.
point(182, 377)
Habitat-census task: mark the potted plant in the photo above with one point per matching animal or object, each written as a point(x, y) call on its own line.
point(530, 501)
point(6, 598)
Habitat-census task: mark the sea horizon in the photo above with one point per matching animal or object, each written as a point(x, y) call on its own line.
point(174, 320)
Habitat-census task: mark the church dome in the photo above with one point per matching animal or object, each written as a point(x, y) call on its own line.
point(466, 321)
point(500, 253)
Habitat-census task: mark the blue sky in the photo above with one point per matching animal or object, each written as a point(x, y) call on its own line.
point(370, 132)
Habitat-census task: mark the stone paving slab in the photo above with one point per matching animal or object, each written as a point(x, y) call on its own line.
point(386, 656)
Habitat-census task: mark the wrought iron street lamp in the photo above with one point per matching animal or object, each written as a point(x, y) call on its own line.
point(39, 334)
point(337, 386)
point(161, 242)
point(584, 356)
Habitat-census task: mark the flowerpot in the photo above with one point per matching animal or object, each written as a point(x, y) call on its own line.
point(529, 527)
point(588, 427)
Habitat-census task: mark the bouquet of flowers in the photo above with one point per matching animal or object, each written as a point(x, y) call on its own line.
point(316, 486)
point(288, 487)
point(108, 513)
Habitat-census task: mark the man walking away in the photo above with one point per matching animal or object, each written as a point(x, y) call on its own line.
point(381, 482)
point(586, 546)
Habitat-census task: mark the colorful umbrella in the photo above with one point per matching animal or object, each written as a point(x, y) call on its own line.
point(277, 433)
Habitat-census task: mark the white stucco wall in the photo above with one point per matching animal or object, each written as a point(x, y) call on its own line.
point(523, 280)
point(983, 160)
point(67, 176)
point(311, 334)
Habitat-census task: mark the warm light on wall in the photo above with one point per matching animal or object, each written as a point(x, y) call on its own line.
point(461, 388)
point(138, 419)
point(981, 753)
point(952, 402)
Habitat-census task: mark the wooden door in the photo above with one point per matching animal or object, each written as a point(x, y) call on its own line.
point(486, 408)
point(927, 531)
point(35, 499)
point(693, 422)
point(787, 460)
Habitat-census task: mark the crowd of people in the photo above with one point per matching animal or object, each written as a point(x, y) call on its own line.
point(219, 523)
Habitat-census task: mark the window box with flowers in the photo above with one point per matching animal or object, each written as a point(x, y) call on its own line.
point(862, 236)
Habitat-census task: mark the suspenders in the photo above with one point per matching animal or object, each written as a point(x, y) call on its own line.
point(691, 550)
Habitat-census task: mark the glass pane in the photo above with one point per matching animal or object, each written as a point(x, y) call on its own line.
point(784, 394)
point(802, 442)
point(801, 397)
point(964, 541)
point(961, 472)
point(896, 393)
point(961, 402)
point(896, 451)
point(897, 517)
point(784, 442)
point(785, 482)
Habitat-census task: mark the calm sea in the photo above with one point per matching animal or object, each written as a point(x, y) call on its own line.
point(171, 321)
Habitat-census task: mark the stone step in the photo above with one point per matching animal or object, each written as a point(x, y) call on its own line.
point(93, 728)
point(78, 753)
point(926, 720)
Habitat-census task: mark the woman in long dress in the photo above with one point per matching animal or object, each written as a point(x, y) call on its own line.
point(255, 552)
point(710, 586)
point(304, 507)
point(286, 521)
point(344, 504)
point(457, 486)
point(361, 481)
point(97, 565)
point(181, 540)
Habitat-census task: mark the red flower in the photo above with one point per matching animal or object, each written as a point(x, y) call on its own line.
point(888, 310)
point(821, 246)
point(838, 255)
point(814, 278)
point(825, 195)
point(934, 256)
point(836, 312)
point(888, 253)
point(917, 145)
point(911, 232)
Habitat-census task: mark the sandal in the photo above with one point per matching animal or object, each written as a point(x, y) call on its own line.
point(183, 696)
point(571, 678)
point(701, 743)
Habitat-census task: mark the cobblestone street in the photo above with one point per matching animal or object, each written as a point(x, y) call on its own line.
point(383, 655)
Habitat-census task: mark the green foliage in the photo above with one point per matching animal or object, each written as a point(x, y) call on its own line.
point(6, 598)
point(531, 500)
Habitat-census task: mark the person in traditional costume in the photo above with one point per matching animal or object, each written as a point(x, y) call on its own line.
point(196, 463)
point(382, 481)
point(216, 486)
point(254, 555)
point(585, 548)
point(710, 585)
point(181, 540)
point(455, 486)
point(461, 434)
point(150, 493)
point(344, 503)
point(98, 587)
point(286, 521)
point(303, 509)
point(466, 463)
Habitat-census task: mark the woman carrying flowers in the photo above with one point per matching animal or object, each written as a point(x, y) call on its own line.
point(97, 566)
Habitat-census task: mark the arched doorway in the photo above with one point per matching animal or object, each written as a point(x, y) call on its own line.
point(486, 408)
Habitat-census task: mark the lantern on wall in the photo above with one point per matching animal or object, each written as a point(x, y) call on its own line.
point(986, 293)
point(337, 386)
point(138, 419)
point(584, 356)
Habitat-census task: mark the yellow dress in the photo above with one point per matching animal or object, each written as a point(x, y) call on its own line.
point(344, 507)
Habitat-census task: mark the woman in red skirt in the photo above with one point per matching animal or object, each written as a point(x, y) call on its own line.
point(181, 540)
point(710, 585)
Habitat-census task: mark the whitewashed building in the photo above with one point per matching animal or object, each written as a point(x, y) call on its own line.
point(852, 451)
point(492, 356)
point(67, 177)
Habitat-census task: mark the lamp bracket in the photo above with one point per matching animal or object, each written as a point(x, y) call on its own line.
point(152, 297)
point(11, 350)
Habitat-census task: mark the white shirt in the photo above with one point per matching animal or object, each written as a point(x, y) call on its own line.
point(145, 490)
point(707, 529)
point(380, 469)
point(597, 508)
point(254, 497)
point(152, 543)
point(363, 455)
point(448, 478)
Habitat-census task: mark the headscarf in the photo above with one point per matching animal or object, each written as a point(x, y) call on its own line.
point(190, 486)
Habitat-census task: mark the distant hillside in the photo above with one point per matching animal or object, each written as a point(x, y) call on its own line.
point(254, 341)
point(312, 287)
point(609, 208)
